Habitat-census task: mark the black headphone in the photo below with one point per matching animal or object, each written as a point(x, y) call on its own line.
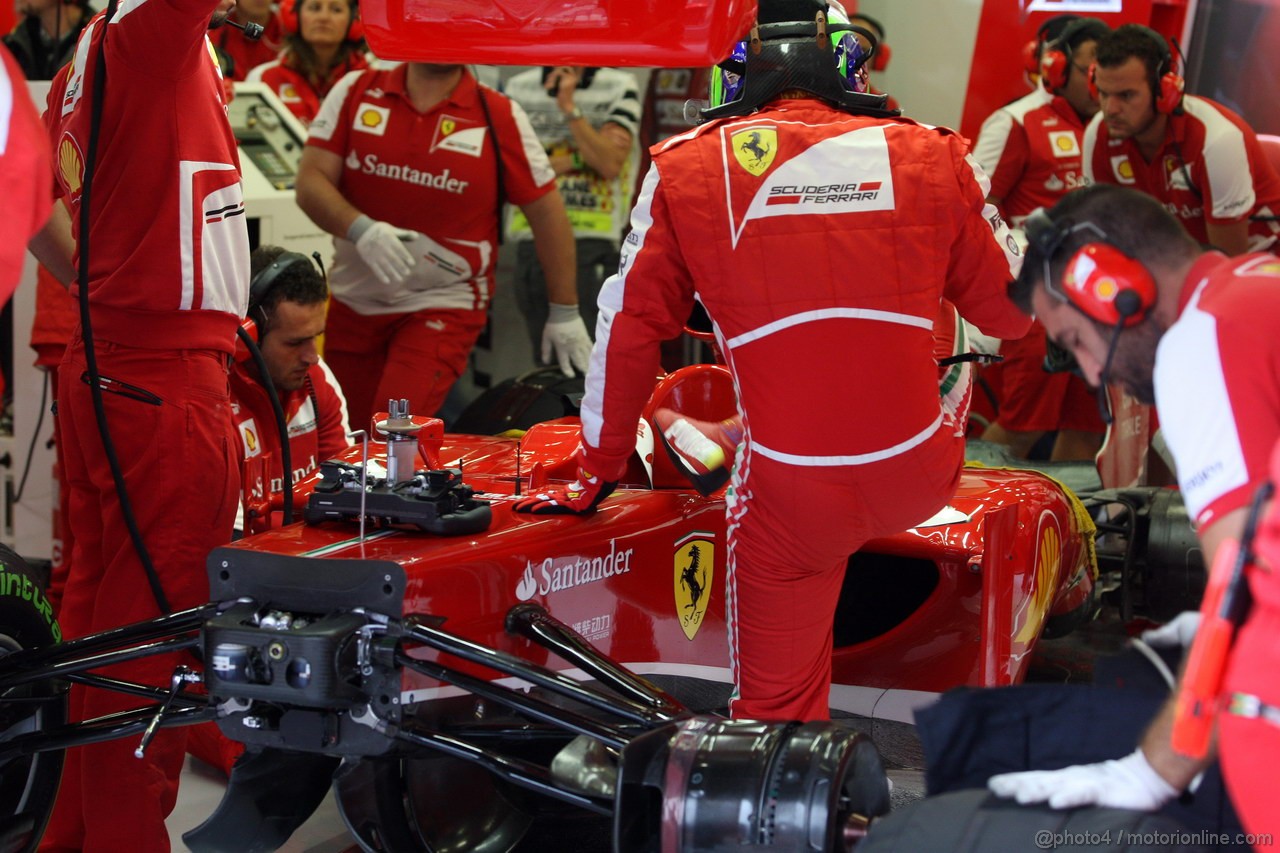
point(264, 280)
point(1099, 280)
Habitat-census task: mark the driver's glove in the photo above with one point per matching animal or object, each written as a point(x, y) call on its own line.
point(581, 496)
point(1129, 783)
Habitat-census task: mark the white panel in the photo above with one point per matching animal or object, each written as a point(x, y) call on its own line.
point(932, 43)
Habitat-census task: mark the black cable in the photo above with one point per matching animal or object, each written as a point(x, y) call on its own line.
point(286, 455)
point(96, 99)
point(31, 451)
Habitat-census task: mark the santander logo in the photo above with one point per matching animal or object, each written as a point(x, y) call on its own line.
point(555, 574)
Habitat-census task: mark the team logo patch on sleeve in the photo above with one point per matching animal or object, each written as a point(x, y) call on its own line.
point(695, 561)
point(1122, 169)
point(371, 119)
point(755, 148)
point(289, 94)
point(70, 164)
point(249, 433)
point(1064, 143)
point(455, 134)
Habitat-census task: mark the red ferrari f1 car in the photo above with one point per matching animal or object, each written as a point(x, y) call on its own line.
point(454, 668)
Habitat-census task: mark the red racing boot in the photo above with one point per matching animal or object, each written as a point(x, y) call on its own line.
point(701, 450)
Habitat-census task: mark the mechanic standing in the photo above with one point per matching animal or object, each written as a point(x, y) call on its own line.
point(407, 167)
point(819, 235)
point(168, 272)
point(1031, 148)
point(1196, 156)
point(1117, 281)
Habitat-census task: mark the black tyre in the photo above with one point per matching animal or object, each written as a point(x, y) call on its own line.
point(28, 782)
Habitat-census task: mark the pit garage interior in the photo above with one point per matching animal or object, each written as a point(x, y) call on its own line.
point(953, 65)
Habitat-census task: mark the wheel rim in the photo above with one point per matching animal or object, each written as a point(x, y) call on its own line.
point(28, 782)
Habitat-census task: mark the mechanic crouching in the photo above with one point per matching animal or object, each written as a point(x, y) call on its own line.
point(820, 234)
point(288, 300)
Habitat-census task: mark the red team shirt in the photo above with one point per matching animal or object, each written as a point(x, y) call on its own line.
point(435, 173)
point(295, 91)
point(1210, 168)
point(184, 255)
point(1031, 151)
point(1216, 381)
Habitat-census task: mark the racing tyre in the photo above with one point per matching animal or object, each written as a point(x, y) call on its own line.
point(28, 782)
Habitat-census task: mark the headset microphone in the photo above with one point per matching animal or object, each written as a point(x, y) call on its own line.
point(251, 31)
point(1127, 303)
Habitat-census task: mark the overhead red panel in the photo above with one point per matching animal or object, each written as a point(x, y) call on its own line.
point(644, 33)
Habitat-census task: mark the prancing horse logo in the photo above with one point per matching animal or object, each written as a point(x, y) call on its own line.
point(694, 569)
point(755, 148)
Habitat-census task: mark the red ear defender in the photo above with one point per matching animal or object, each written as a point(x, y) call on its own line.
point(880, 59)
point(1108, 285)
point(1053, 69)
point(1093, 80)
point(1030, 57)
point(1169, 95)
point(289, 17)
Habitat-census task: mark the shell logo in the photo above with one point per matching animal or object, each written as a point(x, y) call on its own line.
point(1048, 561)
point(370, 118)
point(1106, 288)
point(1063, 143)
point(1125, 169)
point(70, 165)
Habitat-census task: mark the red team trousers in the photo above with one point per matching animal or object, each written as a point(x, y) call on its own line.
point(173, 434)
point(791, 530)
point(418, 356)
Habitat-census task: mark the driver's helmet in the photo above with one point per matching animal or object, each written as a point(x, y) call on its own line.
point(851, 55)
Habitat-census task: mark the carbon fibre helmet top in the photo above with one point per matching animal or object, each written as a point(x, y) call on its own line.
point(787, 55)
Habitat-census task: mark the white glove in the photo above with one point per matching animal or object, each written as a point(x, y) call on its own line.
point(381, 246)
point(567, 335)
point(1177, 633)
point(1129, 783)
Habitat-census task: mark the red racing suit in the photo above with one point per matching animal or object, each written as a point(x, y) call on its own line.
point(1217, 383)
point(315, 415)
point(168, 287)
point(1031, 149)
point(820, 244)
point(1209, 169)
